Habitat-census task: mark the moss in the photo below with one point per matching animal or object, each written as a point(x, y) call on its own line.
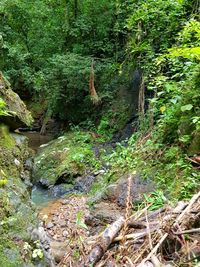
point(9, 253)
point(16, 212)
point(6, 139)
point(68, 156)
point(15, 106)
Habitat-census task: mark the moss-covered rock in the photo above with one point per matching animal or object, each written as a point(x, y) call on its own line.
point(63, 159)
point(17, 213)
point(15, 106)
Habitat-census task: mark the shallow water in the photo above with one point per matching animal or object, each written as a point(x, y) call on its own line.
point(35, 139)
point(40, 196)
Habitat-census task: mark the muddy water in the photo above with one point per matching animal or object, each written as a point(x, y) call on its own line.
point(35, 139)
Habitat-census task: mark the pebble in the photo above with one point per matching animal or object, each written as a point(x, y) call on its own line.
point(65, 201)
point(55, 218)
point(65, 233)
point(62, 223)
point(17, 162)
point(50, 225)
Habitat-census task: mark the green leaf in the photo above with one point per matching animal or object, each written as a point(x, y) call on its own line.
point(186, 107)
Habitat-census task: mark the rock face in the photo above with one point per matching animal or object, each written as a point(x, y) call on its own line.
point(20, 116)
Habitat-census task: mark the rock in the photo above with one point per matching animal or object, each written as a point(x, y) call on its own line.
point(55, 165)
point(62, 223)
point(105, 212)
point(50, 225)
point(61, 189)
point(39, 234)
point(20, 115)
point(84, 183)
point(58, 250)
point(65, 201)
point(117, 192)
point(65, 233)
point(29, 164)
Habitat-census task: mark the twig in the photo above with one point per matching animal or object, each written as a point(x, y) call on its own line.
point(195, 230)
point(154, 250)
point(148, 231)
point(134, 236)
point(155, 261)
point(129, 260)
point(128, 207)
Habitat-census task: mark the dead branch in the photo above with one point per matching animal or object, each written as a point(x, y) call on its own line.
point(104, 241)
point(154, 250)
point(176, 222)
point(191, 231)
point(188, 208)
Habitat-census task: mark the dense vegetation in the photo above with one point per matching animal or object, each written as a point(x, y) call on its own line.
point(47, 48)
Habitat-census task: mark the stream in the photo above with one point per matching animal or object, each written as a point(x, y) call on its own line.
point(39, 195)
point(42, 196)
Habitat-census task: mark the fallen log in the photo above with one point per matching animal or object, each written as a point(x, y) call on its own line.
point(104, 242)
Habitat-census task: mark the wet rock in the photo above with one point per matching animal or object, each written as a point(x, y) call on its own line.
point(29, 164)
point(61, 189)
point(65, 233)
point(16, 212)
point(84, 183)
point(117, 192)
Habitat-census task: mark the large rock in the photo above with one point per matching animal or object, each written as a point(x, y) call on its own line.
point(20, 116)
point(63, 159)
point(117, 192)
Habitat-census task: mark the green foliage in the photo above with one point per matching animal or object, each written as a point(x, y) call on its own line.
point(79, 220)
point(153, 26)
point(66, 82)
point(48, 47)
point(156, 200)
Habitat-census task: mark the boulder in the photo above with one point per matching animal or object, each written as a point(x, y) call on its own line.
point(64, 159)
point(19, 115)
point(117, 192)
